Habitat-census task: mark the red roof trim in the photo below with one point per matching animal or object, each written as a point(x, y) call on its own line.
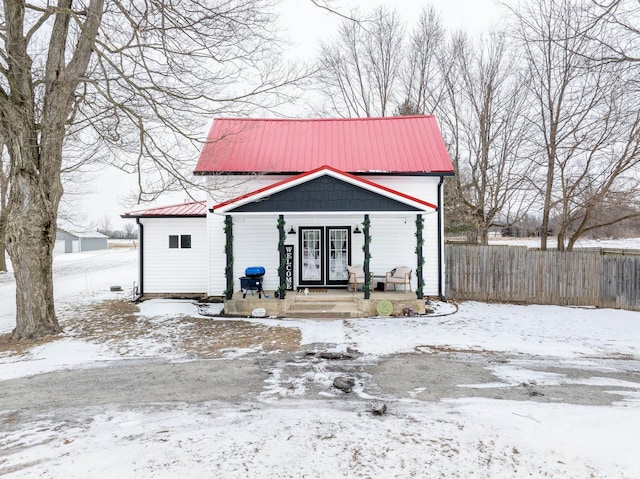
point(354, 178)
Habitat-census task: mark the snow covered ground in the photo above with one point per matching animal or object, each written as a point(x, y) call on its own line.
point(615, 243)
point(285, 435)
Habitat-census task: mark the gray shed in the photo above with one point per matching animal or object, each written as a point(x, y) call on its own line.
point(77, 241)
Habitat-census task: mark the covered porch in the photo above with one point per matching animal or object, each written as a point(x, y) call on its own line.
point(306, 232)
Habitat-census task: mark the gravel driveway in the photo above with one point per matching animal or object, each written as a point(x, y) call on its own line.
point(308, 375)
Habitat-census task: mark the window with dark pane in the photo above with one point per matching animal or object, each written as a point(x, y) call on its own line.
point(185, 241)
point(173, 241)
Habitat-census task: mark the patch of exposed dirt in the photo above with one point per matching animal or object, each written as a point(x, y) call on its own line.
point(123, 245)
point(116, 324)
point(8, 347)
point(440, 349)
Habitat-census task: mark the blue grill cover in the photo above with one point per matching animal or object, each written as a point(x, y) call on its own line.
point(254, 271)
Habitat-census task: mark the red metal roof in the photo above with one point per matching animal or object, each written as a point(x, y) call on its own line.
point(198, 208)
point(403, 144)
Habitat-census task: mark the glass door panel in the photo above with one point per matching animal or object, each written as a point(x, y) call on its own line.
point(338, 254)
point(312, 258)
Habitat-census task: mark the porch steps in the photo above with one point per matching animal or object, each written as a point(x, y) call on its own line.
point(324, 305)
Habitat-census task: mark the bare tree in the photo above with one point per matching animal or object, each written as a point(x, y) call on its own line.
point(129, 231)
point(423, 67)
point(4, 199)
point(484, 115)
point(359, 70)
point(477, 94)
point(132, 82)
point(587, 136)
point(106, 226)
point(614, 26)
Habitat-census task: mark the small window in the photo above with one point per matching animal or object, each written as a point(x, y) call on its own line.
point(173, 241)
point(185, 241)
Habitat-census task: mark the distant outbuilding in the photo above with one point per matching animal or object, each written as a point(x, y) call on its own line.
point(76, 241)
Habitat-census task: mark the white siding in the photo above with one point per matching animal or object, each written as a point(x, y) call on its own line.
point(256, 244)
point(217, 257)
point(422, 187)
point(393, 236)
point(393, 243)
point(426, 189)
point(175, 270)
point(252, 244)
point(230, 186)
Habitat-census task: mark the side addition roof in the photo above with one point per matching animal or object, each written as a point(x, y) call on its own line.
point(195, 209)
point(401, 145)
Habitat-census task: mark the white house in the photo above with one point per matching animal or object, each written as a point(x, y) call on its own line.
point(304, 199)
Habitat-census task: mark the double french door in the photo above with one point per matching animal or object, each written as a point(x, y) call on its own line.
point(325, 252)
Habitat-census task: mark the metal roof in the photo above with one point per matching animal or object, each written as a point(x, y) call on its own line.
point(198, 208)
point(83, 234)
point(403, 144)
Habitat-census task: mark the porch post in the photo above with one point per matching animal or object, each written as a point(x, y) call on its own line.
point(419, 257)
point(367, 257)
point(228, 249)
point(282, 265)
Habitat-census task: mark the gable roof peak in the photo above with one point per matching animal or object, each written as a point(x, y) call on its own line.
point(308, 176)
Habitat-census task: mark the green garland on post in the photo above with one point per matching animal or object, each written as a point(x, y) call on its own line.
point(367, 257)
point(420, 257)
point(228, 251)
point(282, 289)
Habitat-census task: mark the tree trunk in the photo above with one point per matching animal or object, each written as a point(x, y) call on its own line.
point(31, 234)
point(546, 211)
point(34, 128)
point(483, 234)
point(4, 192)
point(3, 249)
point(561, 239)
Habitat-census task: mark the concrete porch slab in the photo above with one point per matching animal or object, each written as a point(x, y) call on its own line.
point(330, 304)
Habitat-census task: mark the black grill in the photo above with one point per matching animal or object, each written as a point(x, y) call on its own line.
point(252, 281)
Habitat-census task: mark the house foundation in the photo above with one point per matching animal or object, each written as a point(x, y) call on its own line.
point(328, 304)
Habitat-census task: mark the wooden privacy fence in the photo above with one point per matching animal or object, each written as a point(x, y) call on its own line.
point(606, 279)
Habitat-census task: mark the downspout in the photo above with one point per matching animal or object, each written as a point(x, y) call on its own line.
point(140, 260)
point(440, 242)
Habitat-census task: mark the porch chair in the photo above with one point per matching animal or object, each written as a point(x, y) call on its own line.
point(356, 277)
point(400, 275)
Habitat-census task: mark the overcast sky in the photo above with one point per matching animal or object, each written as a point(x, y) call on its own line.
point(308, 24)
point(305, 25)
